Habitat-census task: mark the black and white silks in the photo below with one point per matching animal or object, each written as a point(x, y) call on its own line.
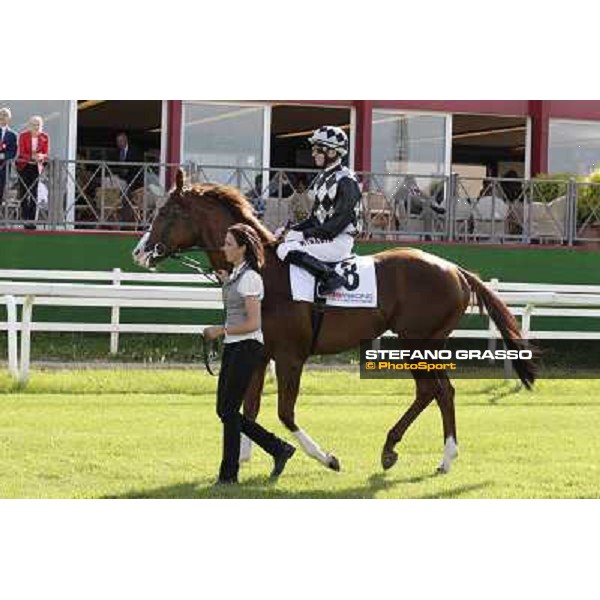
point(336, 209)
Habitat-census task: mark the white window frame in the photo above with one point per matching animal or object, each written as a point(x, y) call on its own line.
point(528, 147)
point(164, 137)
point(71, 164)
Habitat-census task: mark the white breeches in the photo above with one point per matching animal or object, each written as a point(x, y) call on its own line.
point(326, 250)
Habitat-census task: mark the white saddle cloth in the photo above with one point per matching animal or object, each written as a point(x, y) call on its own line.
point(361, 290)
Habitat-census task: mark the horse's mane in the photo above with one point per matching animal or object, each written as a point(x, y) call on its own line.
point(235, 202)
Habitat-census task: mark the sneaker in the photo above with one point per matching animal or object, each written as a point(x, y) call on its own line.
point(281, 459)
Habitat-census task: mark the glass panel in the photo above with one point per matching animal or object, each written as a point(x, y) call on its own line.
point(573, 147)
point(223, 134)
point(408, 143)
point(56, 120)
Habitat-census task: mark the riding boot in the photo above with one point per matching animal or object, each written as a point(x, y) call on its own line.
point(328, 279)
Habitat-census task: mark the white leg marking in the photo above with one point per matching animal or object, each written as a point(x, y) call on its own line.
point(310, 447)
point(245, 448)
point(450, 453)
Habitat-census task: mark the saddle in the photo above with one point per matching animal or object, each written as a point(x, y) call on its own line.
point(359, 291)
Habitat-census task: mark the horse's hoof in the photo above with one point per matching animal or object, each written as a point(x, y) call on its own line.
point(388, 459)
point(334, 463)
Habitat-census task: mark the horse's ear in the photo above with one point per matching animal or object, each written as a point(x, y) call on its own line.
point(179, 181)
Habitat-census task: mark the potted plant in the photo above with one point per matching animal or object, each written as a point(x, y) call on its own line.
point(588, 206)
point(550, 186)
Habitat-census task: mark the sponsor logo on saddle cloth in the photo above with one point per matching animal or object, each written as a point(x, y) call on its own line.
point(360, 290)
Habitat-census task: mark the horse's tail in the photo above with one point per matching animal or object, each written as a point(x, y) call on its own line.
point(506, 323)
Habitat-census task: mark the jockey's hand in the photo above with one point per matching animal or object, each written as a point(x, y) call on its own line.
point(291, 235)
point(222, 275)
point(318, 234)
point(213, 332)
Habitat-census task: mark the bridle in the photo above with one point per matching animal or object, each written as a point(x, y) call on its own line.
point(160, 251)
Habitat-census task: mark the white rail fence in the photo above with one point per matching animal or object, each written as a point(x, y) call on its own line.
point(118, 290)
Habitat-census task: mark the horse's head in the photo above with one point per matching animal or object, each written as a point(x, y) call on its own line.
point(172, 229)
point(198, 216)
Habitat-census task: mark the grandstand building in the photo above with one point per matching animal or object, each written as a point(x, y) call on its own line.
point(482, 138)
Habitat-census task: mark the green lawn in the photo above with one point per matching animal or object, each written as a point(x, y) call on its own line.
point(154, 434)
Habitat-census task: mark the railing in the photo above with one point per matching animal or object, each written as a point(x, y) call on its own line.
point(395, 207)
point(525, 300)
point(56, 288)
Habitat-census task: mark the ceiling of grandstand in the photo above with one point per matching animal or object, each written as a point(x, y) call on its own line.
point(139, 115)
point(488, 131)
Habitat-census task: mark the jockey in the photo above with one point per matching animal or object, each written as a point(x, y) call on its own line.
point(328, 233)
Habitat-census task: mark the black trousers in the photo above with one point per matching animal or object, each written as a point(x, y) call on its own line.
point(240, 359)
point(28, 177)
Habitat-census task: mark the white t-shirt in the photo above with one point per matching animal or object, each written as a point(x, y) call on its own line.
point(249, 284)
point(34, 144)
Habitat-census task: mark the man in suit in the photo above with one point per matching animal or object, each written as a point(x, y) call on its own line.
point(128, 154)
point(132, 175)
point(8, 147)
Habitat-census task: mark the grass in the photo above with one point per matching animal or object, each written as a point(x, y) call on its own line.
point(154, 434)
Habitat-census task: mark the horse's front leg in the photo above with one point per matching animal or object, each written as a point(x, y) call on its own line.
point(289, 373)
point(252, 406)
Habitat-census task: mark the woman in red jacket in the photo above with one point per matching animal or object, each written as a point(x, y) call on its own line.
point(32, 155)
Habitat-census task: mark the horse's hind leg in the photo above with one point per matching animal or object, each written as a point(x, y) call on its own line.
point(289, 372)
point(252, 406)
point(426, 391)
point(445, 399)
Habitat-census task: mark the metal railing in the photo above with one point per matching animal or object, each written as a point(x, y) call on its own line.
point(395, 207)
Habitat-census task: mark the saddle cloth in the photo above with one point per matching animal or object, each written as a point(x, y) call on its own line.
point(360, 291)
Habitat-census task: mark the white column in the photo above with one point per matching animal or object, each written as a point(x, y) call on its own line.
point(71, 157)
point(528, 149)
point(448, 149)
point(164, 130)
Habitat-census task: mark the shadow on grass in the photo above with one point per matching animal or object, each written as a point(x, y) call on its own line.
point(509, 389)
point(262, 488)
point(458, 491)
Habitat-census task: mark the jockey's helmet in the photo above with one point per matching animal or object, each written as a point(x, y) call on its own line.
point(330, 137)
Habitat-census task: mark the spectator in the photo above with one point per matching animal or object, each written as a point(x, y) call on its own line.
point(8, 147)
point(132, 175)
point(487, 188)
point(512, 189)
point(126, 153)
point(410, 194)
point(33, 149)
point(255, 195)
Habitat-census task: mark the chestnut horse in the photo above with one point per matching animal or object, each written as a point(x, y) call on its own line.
point(420, 296)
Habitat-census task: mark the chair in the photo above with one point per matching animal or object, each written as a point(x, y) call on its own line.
point(300, 205)
point(11, 205)
point(548, 220)
point(378, 212)
point(489, 215)
point(109, 201)
point(276, 213)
